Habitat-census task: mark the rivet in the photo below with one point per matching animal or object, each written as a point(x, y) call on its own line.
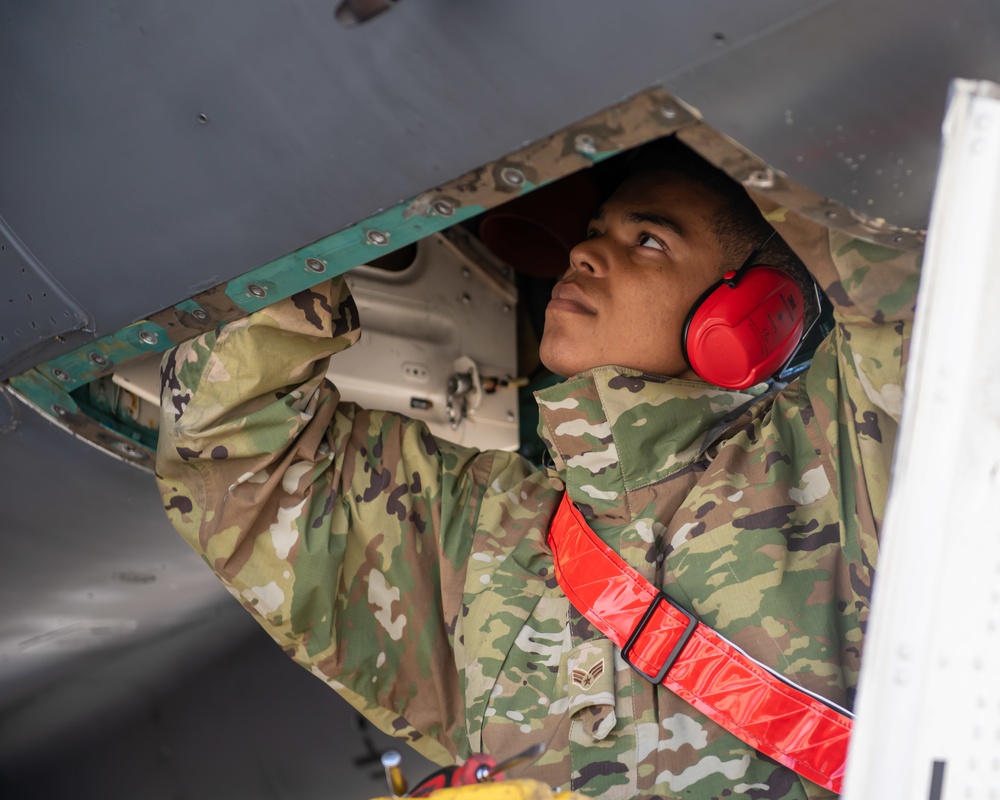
point(61, 375)
point(668, 112)
point(466, 299)
point(760, 178)
point(443, 207)
point(512, 176)
point(199, 313)
point(510, 416)
point(315, 265)
point(465, 272)
point(60, 411)
point(898, 239)
point(257, 290)
point(148, 337)
point(129, 450)
point(506, 308)
point(831, 214)
point(380, 238)
point(585, 143)
point(98, 360)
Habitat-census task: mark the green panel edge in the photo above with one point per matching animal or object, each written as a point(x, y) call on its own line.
point(47, 386)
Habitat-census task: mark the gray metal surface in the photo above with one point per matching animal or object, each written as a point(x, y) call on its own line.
point(88, 561)
point(152, 149)
point(214, 711)
point(848, 100)
point(34, 306)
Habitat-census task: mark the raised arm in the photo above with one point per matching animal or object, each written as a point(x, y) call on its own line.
point(340, 529)
point(873, 290)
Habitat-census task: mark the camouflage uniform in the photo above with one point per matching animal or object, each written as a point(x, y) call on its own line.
point(413, 575)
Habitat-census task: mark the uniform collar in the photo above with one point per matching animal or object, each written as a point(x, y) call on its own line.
point(613, 430)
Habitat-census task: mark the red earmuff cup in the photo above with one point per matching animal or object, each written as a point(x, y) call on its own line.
point(738, 336)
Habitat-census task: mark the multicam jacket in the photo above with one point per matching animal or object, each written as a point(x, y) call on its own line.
point(413, 575)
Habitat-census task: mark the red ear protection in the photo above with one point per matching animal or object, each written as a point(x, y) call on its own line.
point(745, 327)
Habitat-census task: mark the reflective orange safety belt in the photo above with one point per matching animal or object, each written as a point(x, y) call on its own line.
point(667, 645)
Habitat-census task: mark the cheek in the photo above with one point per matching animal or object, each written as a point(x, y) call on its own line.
point(651, 330)
point(653, 311)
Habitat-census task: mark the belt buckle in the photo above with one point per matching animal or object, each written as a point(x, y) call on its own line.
point(641, 626)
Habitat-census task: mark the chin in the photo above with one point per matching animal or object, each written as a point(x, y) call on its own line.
point(556, 362)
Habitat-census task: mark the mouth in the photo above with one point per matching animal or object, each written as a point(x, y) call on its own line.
point(569, 297)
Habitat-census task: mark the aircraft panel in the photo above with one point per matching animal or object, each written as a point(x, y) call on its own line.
point(151, 150)
point(849, 99)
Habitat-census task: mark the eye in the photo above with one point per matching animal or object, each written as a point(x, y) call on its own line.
point(645, 240)
point(591, 233)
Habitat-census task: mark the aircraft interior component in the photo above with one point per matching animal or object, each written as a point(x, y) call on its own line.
point(430, 330)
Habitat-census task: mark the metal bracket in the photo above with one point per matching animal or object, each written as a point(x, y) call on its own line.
point(465, 391)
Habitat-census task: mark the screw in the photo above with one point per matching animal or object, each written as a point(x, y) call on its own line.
point(256, 290)
point(315, 265)
point(199, 314)
point(444, 208)
point(98, 360)
point(585, 143)
point(466, 299)
point(60, 411)
point(831, 214)
point(506, 308)
point(203, 119)
point(668, 112)
point(62, 375)
point(380, 238)
point(898, 239)
point(465, 272)
point(512, 176)
point(148, 337)
point(510, 416)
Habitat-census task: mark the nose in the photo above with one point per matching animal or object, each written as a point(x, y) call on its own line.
point(590, 256)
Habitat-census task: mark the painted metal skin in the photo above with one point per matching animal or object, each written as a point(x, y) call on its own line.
point(150, 155)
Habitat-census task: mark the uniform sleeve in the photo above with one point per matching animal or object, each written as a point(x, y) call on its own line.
point(345, 532)
point(851, 397)
point(873, 290)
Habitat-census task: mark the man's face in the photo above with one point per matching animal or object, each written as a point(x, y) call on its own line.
point(649, 254)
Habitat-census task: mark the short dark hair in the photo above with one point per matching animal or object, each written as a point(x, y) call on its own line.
point(739, 226)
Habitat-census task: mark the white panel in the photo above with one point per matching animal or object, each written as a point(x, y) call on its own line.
point(930, 684)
